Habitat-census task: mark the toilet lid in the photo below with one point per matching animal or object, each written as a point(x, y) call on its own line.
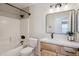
point(26, 50)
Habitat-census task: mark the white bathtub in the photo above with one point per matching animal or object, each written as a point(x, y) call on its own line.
point(13, 52)
point(16, 51)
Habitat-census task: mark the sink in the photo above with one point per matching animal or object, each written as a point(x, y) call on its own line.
point(61, 42)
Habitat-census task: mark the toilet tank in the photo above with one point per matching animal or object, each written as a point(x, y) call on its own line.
point(33, 42)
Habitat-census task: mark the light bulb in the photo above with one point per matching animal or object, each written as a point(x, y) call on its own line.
point(66, 7)
point(50, 10)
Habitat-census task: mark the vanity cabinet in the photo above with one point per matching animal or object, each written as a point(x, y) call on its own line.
point(57, 50)
point(47, 53)
point(49, 49)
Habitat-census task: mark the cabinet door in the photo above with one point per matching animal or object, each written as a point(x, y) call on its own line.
point(77, 53)
point(50, 47)
point(68, 51)
point(48, 53)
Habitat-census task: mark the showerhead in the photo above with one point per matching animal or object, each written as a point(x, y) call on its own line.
point(22, 16)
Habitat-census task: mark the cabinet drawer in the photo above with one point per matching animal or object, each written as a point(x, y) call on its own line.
point(68, 53)
point(77, 53)
point(47, 53)
point(50, 47)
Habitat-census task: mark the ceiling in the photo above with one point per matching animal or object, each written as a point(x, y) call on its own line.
point(22, 5)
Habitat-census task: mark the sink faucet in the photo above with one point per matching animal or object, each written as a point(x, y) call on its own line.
point(52, 35)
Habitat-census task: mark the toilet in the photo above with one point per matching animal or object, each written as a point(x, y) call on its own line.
point(29, 50)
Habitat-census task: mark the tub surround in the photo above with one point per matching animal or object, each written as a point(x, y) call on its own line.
point(13, 52)
point(30, 49)
point(61, 42)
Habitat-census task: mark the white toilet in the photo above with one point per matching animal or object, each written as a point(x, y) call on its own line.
point(29, 50)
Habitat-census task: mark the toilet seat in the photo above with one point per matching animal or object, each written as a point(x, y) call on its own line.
point(26, 51)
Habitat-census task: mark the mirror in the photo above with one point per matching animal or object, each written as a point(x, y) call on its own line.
point(59, 23)
point(77, 20)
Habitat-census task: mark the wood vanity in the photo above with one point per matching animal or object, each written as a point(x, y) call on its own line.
point(47, 49)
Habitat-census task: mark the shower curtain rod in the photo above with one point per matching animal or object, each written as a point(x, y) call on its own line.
point(18, 8)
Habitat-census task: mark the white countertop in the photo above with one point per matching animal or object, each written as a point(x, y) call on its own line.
point(61, 42)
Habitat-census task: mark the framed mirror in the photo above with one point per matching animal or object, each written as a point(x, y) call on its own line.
point(59, 23)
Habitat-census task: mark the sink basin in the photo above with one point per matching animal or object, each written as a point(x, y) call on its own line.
point(61, 42)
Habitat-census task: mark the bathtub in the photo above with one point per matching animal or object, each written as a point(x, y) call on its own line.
point(13, 52)
point(16, 51)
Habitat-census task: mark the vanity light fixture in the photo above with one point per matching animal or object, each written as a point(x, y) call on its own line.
point(58, 5)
